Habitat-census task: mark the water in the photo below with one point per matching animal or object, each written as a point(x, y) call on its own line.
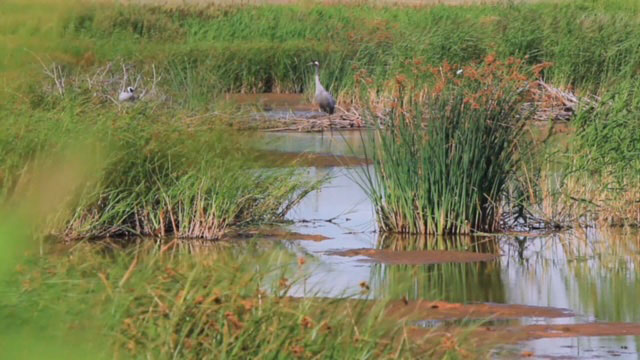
point(619, 347)
point(590, 272)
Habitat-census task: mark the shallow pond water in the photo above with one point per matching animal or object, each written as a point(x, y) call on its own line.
point(593, 273)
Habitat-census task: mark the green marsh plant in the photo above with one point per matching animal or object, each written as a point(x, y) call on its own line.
point(607, 155)
point(444, 151)
point(157, 172)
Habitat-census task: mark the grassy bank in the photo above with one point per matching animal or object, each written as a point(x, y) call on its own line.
point(259, 49)
point(156, 172)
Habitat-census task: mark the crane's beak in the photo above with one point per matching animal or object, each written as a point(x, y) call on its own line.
point(310, 63)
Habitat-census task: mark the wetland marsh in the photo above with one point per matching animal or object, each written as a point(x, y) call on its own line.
point(474, 196)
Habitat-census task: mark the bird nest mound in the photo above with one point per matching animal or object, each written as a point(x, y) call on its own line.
point(342, 120)
point(552, 103)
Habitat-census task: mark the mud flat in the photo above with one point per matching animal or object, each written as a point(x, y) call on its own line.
point(515, 334)
point(280, 234)
point(441, 310)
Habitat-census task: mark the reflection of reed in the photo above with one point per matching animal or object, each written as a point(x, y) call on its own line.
point(405, 242)
point(465, 282)
point(597, 270)
point(196, 249)
point(604, 265)
point(469, 282)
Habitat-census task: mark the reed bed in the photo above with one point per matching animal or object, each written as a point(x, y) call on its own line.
point(157, 173)
point(607, 149)
point(175, 299)
point(443, 154)
point(589, 176)
point(206, 51)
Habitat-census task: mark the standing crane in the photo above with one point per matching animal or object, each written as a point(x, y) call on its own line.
point(323, 98)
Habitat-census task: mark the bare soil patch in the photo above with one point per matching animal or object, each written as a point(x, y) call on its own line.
point(484, 336)
point(280, 234)
point(440, 310)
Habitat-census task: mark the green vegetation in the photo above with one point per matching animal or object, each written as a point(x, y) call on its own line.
point(443, 156)
point(179, 303)
point(159, 172)
point(187, 58)
point(591, 174)
point(204, 51)
point(168, 299)
point(78, 164)
point(172, 300)
point(260, 48)
point(608, 149)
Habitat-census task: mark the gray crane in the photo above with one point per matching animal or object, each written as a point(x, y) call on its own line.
point(323, 98)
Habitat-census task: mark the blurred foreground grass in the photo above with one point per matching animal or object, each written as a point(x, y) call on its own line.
point(174, 299)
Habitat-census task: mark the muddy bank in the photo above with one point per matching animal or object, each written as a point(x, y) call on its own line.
point(414, 257)
point(277, 234)
point(403, 310)
point(503, 335)
point(440, 310)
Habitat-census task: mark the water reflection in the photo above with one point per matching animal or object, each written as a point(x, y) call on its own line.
point(603, 347)
point(328, 142)
point(592, 272)
point(464, 283)
point(404, 242)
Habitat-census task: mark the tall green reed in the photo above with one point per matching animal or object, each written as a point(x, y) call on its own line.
point(606, 154)
point(443, 154)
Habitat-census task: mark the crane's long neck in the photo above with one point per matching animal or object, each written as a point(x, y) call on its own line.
point(318, 85)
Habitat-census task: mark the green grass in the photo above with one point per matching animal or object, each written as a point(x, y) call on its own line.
point(155, 299)
point(176, 300)
point(608, 133)
point(199, 53)
point(157, 172)
point(590, 175)
point(163, 300)
point(607, 149)
point(202, 52)
point(177, 303)
point(78, 165)
point(259, 48)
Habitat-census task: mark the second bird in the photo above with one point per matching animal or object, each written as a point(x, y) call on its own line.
point(323, 98)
